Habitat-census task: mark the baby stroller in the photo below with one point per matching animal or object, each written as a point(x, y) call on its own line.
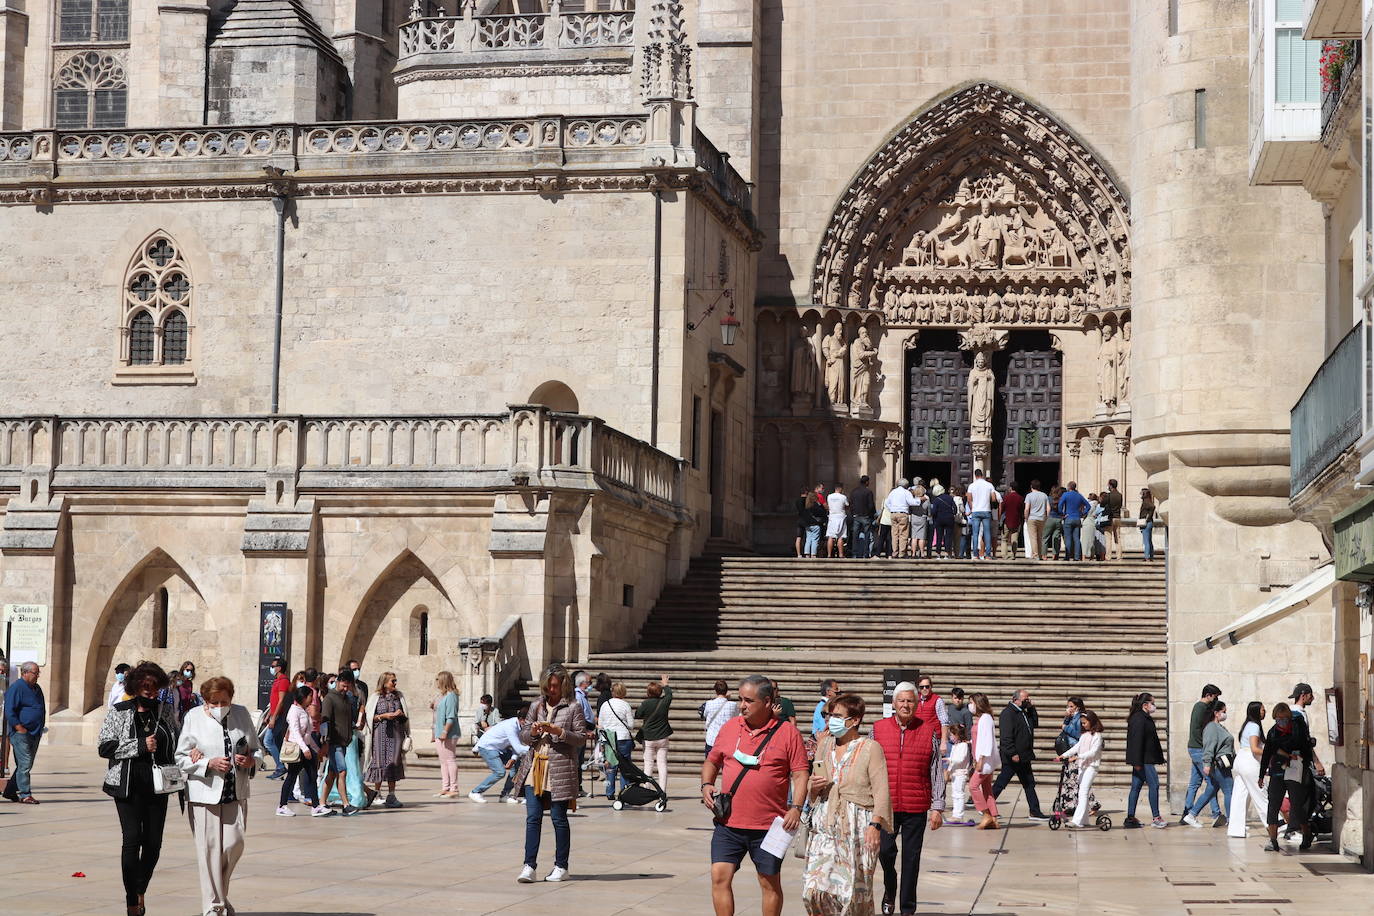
point(641, 790)
point(1319, 818)
point(1067, 799)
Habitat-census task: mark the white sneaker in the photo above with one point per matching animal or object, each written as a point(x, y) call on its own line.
point(558, 874)
point(511, 800)
point(284, 811)
point(1191, 821)
point(526, 875)
point(474, 797)
point(321, 811)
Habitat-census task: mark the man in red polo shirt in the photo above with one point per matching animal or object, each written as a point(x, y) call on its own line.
point(769, 753)
point(911, 742)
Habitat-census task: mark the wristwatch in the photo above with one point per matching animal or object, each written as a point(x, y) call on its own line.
point(798, 807)
point(706, 785)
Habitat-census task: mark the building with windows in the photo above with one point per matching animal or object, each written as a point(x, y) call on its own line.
point(478, 320)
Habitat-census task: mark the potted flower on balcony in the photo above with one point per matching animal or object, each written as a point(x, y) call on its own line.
point(1336, 58)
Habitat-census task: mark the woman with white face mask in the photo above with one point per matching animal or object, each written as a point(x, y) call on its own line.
point(850, 805)
point(218, 750)
point(1218, 757)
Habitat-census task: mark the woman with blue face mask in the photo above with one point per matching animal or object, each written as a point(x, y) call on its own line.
point(850, 806)
point(117, 691)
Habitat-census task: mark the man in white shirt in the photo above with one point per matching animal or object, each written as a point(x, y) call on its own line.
point(117, 692)
point(898, 504)
point(981, 495)
point(1037, 509)
point(500, 747)
point(837, 503)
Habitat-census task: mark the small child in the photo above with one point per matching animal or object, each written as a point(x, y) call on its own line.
point(956, 774)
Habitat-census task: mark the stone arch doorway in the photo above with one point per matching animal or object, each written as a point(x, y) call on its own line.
point(406, 623)
point(156, 614)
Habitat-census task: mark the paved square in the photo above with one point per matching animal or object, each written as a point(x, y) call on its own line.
point(456, 857)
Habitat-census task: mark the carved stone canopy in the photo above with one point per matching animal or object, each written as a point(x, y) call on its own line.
point(982, 210)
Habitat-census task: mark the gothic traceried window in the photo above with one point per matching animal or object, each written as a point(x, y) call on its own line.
point(91, 91)
point(157, 303)
point(83, 21)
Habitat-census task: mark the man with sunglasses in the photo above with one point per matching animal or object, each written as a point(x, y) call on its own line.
point(758, 757)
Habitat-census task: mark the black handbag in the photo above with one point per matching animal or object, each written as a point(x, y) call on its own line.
point(1062, 744)
point(721, 804)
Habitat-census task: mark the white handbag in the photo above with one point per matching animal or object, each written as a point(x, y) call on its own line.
point(168, 779)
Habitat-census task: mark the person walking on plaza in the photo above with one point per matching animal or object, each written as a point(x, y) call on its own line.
point(137, 735)
point(837, 507)
point(653, 714)
point(830, 689)
point(1146, 521)
point(278, 701)
point(487, 715)
point(218, 748)
point(910, 740)
point(982, 496)
point(1197, 721)
point(446, 732)
point(1218, 758)
point(26, 713)
point(616, 720)
point(1287, 754)
point(898, 505)
point(1017, 744)
point(500, 747)
point(1012, 517)
point(959, 712)
point(717, 711)
point(336, 721)
point(554, 729)
point(186, 696)
point(386, 739)
point(1113, 505)
point(760, 761)
point(1036, 508)
point(300, 742)
point(863, 509)
point(1073, 508)
point(957, 773)
point(986, 760)
point(1074, 712)
point(117, 689)
point(944, 516)
point(1143, 753)
point(1087, 749)
point(850, 811)
point(1302, 698)
point(1245, 790)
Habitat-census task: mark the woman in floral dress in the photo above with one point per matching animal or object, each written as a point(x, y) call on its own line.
point(388, 735)
point(850, 804)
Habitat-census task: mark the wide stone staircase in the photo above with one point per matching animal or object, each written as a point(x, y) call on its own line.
point(1095, 630)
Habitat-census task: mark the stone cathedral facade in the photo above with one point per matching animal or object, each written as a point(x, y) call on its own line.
point(474, 321)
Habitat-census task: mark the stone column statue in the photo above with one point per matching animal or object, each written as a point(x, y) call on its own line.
point(1123, 368)
point(802, 381)
point(833, 349)
point(1108, 372)
point(863, 364)
point(980, 396)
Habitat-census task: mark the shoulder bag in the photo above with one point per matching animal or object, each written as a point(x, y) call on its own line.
point(168, 779)
point(290, 752)
point(722, 803)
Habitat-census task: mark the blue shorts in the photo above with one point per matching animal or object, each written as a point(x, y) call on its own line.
point(729, 844)
point(338, 759)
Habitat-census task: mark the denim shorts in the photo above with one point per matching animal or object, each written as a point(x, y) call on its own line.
point(729, 844)
point(338, 759)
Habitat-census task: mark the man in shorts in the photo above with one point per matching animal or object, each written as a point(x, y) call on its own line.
point(769, 770)
point(337, 715)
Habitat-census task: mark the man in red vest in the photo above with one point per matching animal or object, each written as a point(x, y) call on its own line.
point(911, 741)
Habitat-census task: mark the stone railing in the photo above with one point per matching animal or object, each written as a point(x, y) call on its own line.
point(331, 139)
point(493, 664)
point(526, 445)
point(1326, 419)
point(520, 32)
point(729, 183)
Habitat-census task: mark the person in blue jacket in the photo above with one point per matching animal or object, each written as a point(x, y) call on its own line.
point(1074, 508)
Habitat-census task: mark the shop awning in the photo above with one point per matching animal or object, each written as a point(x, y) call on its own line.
point(1289, 601)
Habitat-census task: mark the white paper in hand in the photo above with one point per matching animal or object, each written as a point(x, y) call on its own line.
point(778, 839)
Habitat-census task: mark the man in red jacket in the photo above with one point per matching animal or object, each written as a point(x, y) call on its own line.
point(910, 740)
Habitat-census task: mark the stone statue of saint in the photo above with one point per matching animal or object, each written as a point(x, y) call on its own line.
point(1108, 369)
point(1123, 365)
point(980, 389)
point(863, 362)
point(985, 229)
point(803, 378)
point(833, 349)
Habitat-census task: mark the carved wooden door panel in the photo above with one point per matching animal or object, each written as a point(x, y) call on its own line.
point(1033, 395)
point(937, 409)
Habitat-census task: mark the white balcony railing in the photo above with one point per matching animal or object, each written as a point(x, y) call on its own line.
point(1285, 95)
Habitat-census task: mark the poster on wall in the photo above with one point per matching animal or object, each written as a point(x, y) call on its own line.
point(26, 632)
point(274, 620)
point(891, 678)
point(1333, 716)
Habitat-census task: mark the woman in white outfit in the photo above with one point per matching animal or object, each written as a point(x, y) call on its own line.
point(1088, 750)
point(1246, 772)
point(218, 750)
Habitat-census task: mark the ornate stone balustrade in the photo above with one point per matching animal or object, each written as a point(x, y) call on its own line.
point(729, 183)
point(477, 34)
point(525, 446)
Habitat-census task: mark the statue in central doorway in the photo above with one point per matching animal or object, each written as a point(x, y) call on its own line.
point(980, 391)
